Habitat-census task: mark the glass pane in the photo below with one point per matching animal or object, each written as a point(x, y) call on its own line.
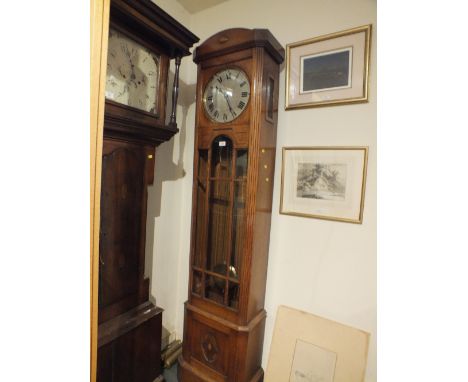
point(221, 158)
point(214, 288)
point(238, 230)
point(218, 230)
point(197, 286)
point(133, 86)
point(241, 164)
point(202, 165)
point(233, 298)
point(200, 226)
point(270, 92)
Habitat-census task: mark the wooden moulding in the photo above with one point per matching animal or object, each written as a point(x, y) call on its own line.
point(122, 122)
point(145, 17)
point(126, 322)
point(236, 39)
point(240, 328)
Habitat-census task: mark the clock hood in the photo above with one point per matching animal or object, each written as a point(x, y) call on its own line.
point(234, 39)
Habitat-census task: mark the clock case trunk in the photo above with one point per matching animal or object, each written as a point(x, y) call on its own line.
point(130, 326)
point(223, 341)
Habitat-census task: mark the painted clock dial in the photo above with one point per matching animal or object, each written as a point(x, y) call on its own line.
point(132, 76)
point(226, 95)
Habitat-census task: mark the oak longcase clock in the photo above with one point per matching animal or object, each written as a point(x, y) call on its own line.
point(235, 144)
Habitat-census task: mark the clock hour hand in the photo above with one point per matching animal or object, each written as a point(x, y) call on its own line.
point(121, 73)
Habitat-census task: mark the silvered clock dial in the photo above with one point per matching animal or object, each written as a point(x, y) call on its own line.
point(132, 76)
point(226, 95)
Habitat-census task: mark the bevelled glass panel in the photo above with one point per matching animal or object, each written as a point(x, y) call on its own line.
point(270, 92)
point(200, 226)
point(197, 283)
point(238, 231)
point(214, 288)
point(233, 296)
point(241, 164)
point(221, 157)
point(218, 229)
point(200, 217)
point(202, 165)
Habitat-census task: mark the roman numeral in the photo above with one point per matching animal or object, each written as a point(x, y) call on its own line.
point(234, 114)
point(216, 113)
point(228, 75)
point(220, 79)
point(125, 49)
point(211, 107)
point(244, 94)
point(241, 105)
point(210, 98)
point(243, 83)
point(225, 116)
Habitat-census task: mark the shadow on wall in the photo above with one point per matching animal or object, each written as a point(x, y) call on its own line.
point(165, 169)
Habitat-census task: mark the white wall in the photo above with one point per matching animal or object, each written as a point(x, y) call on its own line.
point(166, 240)
point(323, 267)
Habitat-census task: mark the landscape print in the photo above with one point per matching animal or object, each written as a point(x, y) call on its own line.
point(327, 71)
point(321, 181)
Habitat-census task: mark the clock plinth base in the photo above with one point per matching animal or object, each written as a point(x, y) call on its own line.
point(219, 350)
point(188, 373)
point(129, 346)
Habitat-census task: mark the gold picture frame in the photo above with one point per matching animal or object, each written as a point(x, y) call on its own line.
point(324, 182)
point(329, 70)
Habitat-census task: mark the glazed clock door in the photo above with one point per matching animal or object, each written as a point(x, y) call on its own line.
point(219, 222)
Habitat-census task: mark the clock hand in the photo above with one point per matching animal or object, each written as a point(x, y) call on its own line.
point(132, 75)
point(227, 99)
point(121, 73)
point(126, 89)
point(134, 83)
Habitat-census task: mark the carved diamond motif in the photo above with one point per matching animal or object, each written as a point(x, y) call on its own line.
point(209, 348)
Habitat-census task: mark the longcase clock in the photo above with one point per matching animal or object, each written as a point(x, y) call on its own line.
point(235, 145)
point(142, 41)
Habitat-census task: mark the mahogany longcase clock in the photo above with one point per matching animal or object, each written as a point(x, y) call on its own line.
point(142, 41)
point(235, 144)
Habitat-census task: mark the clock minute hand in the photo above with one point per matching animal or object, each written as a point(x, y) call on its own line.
point(226, 98)
point(132, 66)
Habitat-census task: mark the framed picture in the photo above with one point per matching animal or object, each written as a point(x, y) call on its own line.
point(324, 182)
point(306, 347)
point(328, 70)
